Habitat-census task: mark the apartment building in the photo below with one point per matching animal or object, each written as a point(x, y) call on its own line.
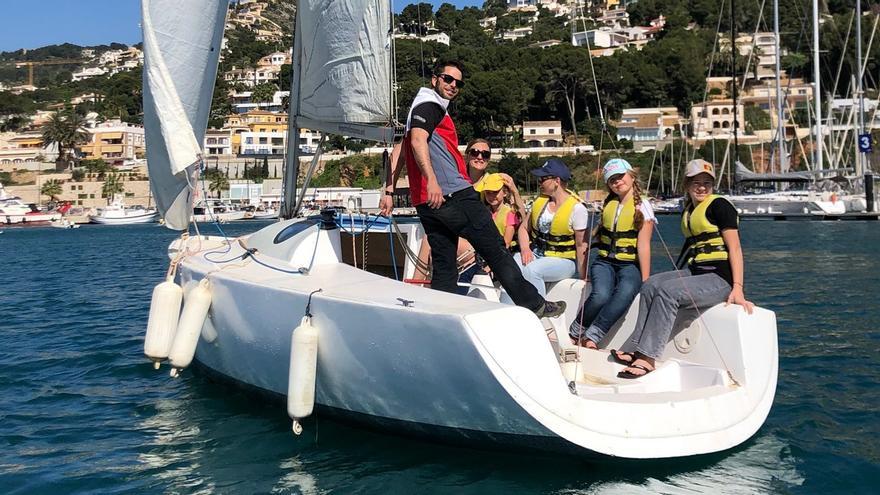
point(114, 142)
point(542, 133)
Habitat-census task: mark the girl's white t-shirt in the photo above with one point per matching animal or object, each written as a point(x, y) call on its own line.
point(579, 219)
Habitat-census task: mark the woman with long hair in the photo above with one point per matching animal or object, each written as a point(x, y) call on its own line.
point(624, 258)
point(714, 272)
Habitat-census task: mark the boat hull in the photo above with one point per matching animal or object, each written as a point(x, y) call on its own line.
point(425, 362)
point(126, 220)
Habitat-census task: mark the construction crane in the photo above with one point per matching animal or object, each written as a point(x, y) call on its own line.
point(30, 65)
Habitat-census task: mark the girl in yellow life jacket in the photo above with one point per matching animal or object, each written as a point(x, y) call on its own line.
point(557, 226)
point(714, 273)
point(499, 199)
point(624, 259)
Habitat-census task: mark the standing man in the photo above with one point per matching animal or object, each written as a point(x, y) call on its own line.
point(447, 204)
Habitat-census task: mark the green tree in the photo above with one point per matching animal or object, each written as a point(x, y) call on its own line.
point(566, 68)
point(52, 188)
point(756, 119)
point(217, 182)
point(414, 18)
point(64, 129)
point(263, 92)
point(112, 185)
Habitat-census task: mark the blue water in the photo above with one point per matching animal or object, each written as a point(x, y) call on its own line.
point(81, 411)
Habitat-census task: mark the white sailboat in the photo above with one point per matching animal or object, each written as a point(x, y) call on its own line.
point(373, 349)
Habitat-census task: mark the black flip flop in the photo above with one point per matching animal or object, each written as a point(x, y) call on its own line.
point(629, 375)
point(618, 360)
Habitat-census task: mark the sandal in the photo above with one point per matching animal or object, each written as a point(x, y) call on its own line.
point(616, 356)
point(630, 375)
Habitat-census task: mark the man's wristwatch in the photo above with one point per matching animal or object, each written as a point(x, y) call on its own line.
point(389, 193)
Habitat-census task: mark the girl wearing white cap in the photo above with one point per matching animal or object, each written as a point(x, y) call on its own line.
point(624, 259)
point(714, 272)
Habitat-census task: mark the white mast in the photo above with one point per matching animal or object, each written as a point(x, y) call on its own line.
point(291, 170)
point(860, 169)
point(817, 88)
point(780, 119)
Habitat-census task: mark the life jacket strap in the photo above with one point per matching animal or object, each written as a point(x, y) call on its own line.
point(615, 249)
point(705, 236)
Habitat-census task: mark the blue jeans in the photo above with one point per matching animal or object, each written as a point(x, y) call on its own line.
point(662, 296)
point(543, 269)
point(614, 287)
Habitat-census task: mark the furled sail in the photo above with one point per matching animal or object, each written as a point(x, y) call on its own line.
point(343, 62)
point(181, 52)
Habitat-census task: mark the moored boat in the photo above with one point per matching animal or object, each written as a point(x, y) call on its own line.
point(116, 213)
point(15, 211)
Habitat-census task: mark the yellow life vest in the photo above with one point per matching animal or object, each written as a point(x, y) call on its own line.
point(501, 222)
point(704, 238)
point(559, 242)
point(618, 241)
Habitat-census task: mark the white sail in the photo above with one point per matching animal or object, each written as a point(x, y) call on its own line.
point(181, 52)
point(344, 56)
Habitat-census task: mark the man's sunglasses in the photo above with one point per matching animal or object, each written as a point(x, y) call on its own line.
point(449, 80)
point(485, 154)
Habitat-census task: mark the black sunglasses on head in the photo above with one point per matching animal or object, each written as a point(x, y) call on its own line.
point(449, 80)
point(480, 153)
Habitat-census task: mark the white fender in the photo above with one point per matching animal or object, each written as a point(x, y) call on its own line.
point(302, 372)
point(195, 310)
point(162, 323)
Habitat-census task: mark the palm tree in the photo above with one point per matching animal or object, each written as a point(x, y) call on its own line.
point(51, 188)
point(218, 183)
point(64, 128)
point(112, 185)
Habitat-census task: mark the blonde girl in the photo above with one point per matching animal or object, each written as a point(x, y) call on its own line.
point(624, 258)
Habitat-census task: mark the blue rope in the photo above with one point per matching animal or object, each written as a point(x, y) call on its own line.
point(364, 230)
point(393, 259)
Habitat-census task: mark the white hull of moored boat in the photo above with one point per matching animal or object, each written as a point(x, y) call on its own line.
point(129, 218)
point(419, 360)
point(219, 217)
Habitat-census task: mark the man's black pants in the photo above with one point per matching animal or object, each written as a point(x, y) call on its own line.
point(464, 215)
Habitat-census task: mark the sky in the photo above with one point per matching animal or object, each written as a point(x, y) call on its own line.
point(36, 23)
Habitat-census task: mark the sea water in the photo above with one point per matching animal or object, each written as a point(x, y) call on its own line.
point(82, 411)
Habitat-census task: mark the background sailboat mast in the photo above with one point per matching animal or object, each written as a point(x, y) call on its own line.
point(860, 168)
point(780, 119)
point(733, 62)
point(291, 171)
point(817, 90)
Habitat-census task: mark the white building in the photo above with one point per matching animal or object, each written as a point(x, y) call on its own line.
point(263, 143)
point(648, 124)
point(218, 142)
point(87, 73)
point(598, 38)
point(715, 119)
point(515, 33)
point(275, 142)
point(545, 44)
point(441, 38)
point(276, 59)
point(762, 46)
point(242, 103)
point(542, 133)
